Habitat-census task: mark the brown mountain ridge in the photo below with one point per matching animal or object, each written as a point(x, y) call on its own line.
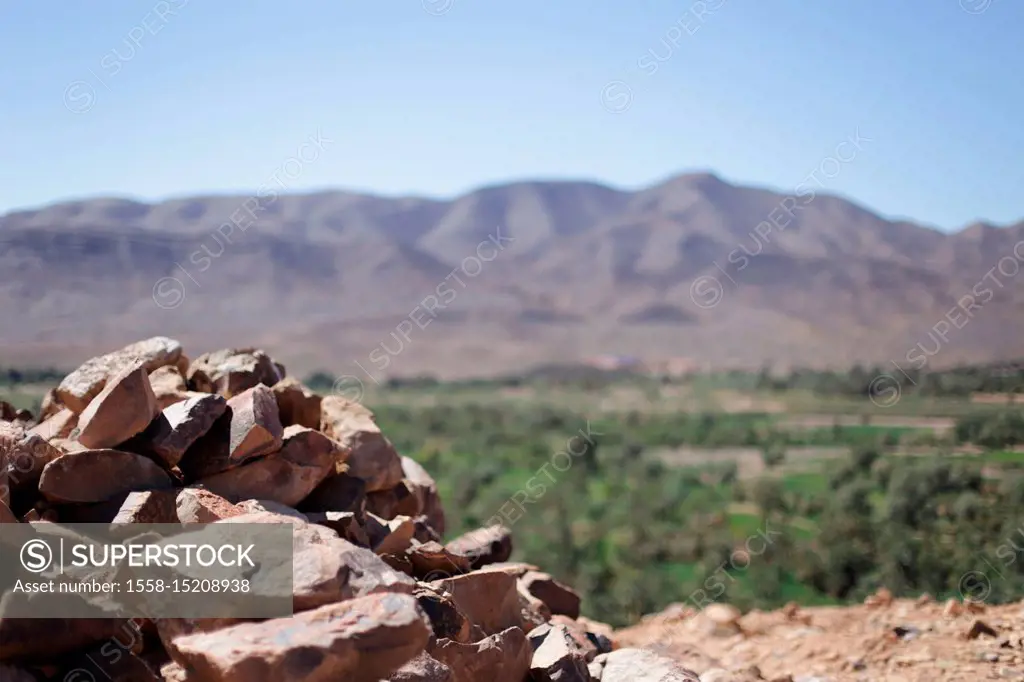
point(509, 276)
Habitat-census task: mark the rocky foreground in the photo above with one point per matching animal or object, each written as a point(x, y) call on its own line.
point(884, 639)
point(144, 435)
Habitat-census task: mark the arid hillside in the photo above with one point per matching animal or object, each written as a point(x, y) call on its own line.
point(509, 276)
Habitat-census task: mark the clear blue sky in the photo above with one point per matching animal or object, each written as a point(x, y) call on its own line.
point(759, 91)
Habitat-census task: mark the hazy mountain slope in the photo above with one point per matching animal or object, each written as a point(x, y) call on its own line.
point(581, 269)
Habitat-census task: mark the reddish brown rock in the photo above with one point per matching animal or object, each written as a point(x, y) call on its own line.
point(445, 618)
point(68, 446)
point(557, 657)
point(979, 628)
point(594, 627)
point(85, 383)
point(327, 569)
point(60, 425)
point(424, 531)
point(97, 512)
point(297, 404)
point(165, 400)
point(424, 488)
point(255, 424)
point(338, 493)
point(272, 517)
point(172, 672)
point(189, 505)
point(249, 428)
point(26, 459)
point(484, 545)
point(345, 524)
point(124, 407)
point(397, 501)
point(288, 476)
point(231, 371)
point(170, 629)
point(489, 599)
point(10, 436)
point(361, 640)
point(593, 638)
point(533, 611)
point(195, 505)
point(432, 559)
point(391, 536)
point(168, 379)
point(8, 412)
point(423, 668)
point(516, 568)
point(640, 665)
point(502, 657)
point(253, 506)
point(372, 456)
point(974, 606)
point(50, 405)
point(725, 617)
point(179, 426)
point(881, 598)
point(98, 475)
point(168, 386)
point(152, 506)
point(560, 598)
point(399, 562)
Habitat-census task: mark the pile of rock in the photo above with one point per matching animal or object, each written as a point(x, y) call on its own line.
point(143, 435)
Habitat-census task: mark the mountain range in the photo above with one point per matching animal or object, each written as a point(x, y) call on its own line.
point(510, 276)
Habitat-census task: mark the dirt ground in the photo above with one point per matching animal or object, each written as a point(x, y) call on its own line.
point(905, 640)
point(939, 425)
point(749, 462)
